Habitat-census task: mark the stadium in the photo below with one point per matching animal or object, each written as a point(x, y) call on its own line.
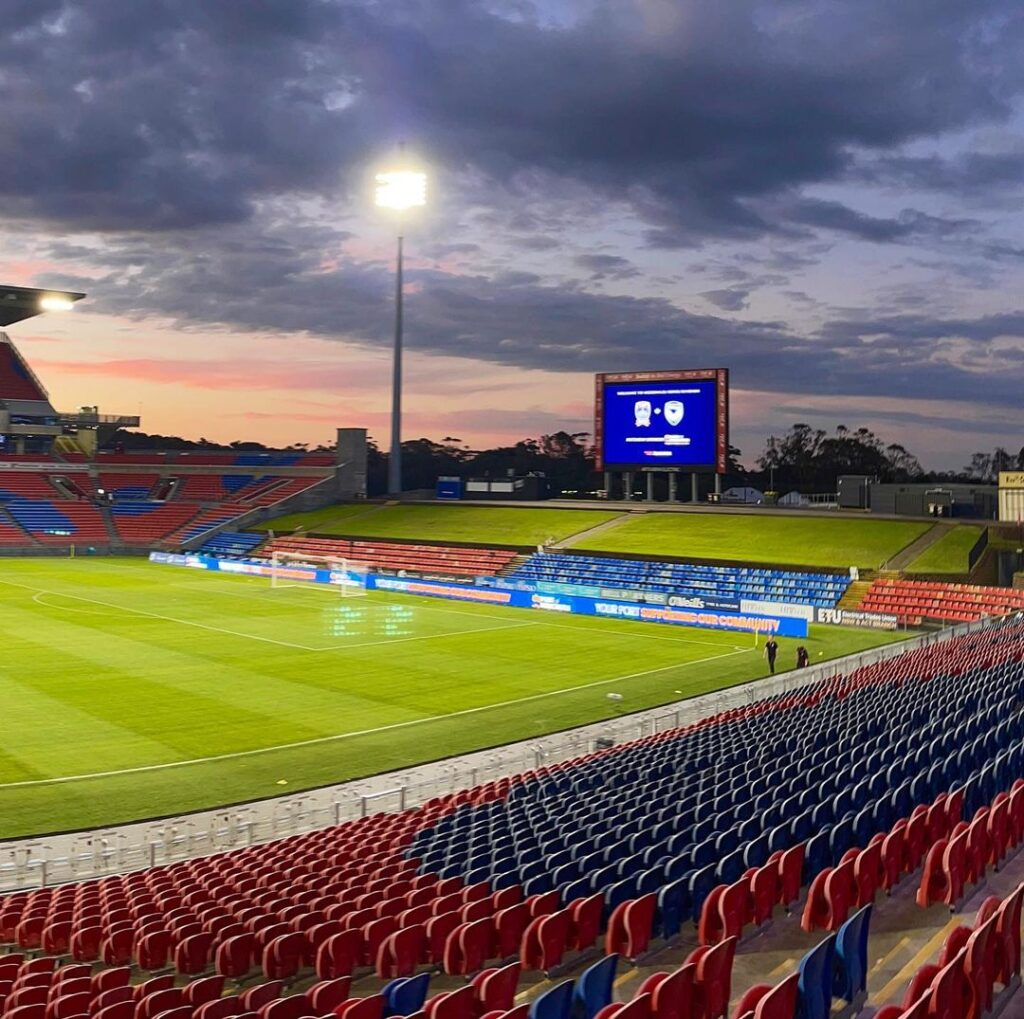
point(511, 509)
point(331, 755)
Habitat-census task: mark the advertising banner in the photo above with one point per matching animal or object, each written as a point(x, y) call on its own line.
point(774, 608)
point(851, 617)
point(544, 601)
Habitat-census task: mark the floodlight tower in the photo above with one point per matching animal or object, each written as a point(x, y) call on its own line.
point(399, 190)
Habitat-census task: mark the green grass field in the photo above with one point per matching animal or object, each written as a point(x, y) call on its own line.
point(760, 538)
point(132, 690)
point(498, 525)
point(949, 553)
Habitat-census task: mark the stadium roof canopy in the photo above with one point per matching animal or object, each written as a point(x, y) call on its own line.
point(19, 303)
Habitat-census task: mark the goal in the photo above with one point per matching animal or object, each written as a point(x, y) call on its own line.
point(297, 569)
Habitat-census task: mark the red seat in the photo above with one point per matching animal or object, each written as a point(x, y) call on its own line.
point(585, 926)
point(510, 924)
point(1008, 920)
point(674, 997)
point(780, 1001)
point(338, 955)
point(119, 1010)
point(151, 949)
point(192, 955)
point(816, 908)
point(791, 864)
point(893, 858)
point(113, 996)
point(282, 957)
point(402, 952)
point(631, 926)
point(868, 873)
point(950, 994)
point(938, 826)
point(293, 1007)
point(714, 977)
point(361, 1008)
point(56, 938)
point(764, 892)
point(221, 1008)
point(546, 940)
point(153, 1004)
point(979, 967)
point(438, 929)
point(934, 886)
point(711, 927)
point(85, 943)
point(116, 948)
point(915, 838)
point(460, 1004)
point(252, 999)
point(152, 985)
point(999, 835)
point(68, 1005)
point(327, 995)
point(978, 849)
point(198, 992)
point(496, 989)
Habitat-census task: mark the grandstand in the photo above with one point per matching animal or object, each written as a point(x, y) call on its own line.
point(657, 857)
point(840, 840)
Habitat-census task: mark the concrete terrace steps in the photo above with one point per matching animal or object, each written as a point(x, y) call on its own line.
point(854, 594)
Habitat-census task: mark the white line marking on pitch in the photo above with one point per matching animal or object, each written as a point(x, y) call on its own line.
point(319, 590)
point(362, 732)
point(252, 636)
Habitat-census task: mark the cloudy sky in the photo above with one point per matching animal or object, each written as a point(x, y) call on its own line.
point(824, 196)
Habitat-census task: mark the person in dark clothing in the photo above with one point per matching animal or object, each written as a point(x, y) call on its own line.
point(771, 651)
point(803, 659)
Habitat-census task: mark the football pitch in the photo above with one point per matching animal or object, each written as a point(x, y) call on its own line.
point(131, 690)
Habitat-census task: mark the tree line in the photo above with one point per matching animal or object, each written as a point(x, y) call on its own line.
point(804, 458)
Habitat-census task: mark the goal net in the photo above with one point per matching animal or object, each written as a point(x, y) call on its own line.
point(297, 569)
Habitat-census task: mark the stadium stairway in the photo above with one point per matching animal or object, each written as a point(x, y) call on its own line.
point(854, 594)
point(12, 533)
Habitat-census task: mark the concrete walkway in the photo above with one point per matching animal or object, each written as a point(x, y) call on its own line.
point(575, 539)
point(907, 555)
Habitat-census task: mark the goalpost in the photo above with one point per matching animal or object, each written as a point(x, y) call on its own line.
point(297, 569)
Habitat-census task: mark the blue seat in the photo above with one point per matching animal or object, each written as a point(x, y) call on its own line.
point(673, 907)
point(553, 1004)
point(814, 988)
point(850, 978)
point(406, 995)
point(593, 990)
point(817, 855)
point(701, 883)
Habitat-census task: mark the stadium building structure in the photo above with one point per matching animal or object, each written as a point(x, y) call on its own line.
point(60, 488)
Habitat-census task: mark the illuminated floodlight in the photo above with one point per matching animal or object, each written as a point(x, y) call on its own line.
point(401, 189)
point(54, 302)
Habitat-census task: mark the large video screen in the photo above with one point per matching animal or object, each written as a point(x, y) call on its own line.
point(673, 420)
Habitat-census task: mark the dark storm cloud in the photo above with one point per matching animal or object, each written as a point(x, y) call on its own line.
point(730, 299)
point(606, 266)
point(278, 284)
point(167, 114)
point(842, 219)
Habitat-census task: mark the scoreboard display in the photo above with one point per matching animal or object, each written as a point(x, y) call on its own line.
point(674, 420)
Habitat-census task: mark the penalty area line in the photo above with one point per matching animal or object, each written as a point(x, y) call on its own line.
point(338, 737)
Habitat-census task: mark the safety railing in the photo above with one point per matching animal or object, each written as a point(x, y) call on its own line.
point(76, 856)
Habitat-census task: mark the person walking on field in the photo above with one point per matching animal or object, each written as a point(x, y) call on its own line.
point(803, 659)
point(771, 651)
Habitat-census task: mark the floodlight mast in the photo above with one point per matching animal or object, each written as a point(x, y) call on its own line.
point(399, 190)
